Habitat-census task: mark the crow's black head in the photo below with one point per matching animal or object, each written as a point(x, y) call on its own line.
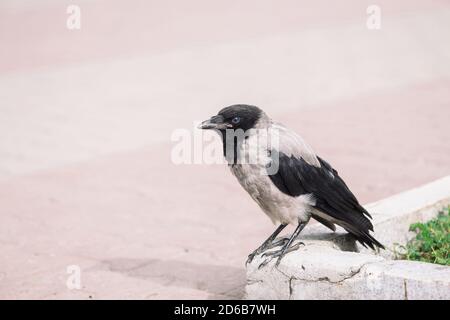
point(238, 116)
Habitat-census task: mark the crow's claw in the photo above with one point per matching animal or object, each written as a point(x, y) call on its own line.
point(266, 261)
point(251, 256)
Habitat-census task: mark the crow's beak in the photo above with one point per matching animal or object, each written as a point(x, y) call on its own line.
point(216, 122)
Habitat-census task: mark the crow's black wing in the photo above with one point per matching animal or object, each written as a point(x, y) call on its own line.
point(295, 177)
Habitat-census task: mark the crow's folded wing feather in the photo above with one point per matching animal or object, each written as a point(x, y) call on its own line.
point(333, 198)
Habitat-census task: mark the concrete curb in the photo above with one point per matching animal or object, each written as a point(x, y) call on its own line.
point(332, 266)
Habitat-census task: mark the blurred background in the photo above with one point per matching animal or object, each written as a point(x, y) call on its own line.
point(86, 117)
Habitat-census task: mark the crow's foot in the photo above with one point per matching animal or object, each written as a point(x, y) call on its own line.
point(278, 243)
point(279, 254)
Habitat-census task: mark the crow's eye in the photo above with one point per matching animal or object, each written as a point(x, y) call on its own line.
point(236, 120)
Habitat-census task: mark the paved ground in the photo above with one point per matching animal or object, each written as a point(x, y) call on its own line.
point(86, 118)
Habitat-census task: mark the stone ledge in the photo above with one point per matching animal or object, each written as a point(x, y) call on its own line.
point(321, 272)
point(333, 266)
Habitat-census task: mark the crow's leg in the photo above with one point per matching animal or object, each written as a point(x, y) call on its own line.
point(285, 249)
point(266, 243)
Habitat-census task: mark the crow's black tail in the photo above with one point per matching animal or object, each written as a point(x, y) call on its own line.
point(364, 237)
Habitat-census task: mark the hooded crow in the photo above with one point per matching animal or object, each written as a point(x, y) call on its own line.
point(286, 179)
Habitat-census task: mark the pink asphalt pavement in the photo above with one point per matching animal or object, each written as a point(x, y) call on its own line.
point(86, 118)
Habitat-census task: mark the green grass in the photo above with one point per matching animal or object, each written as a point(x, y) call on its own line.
point(432, 241)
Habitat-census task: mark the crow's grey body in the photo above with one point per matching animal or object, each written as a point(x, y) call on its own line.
point(280, 207)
